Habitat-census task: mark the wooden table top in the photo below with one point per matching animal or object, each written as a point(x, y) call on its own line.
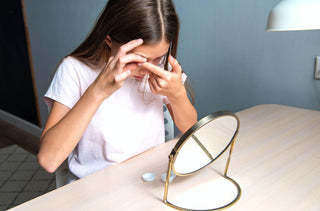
point(276, 161)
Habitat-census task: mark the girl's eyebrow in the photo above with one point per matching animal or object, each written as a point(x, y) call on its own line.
point(149, 58)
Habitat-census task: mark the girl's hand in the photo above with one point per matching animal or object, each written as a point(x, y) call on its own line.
point(117, 69)
point(169, 84)
point(165, 83)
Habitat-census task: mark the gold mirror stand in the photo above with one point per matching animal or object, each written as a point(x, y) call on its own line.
point(171, 156)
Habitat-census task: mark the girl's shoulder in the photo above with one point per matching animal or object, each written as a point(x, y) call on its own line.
point(70, 60)
point(71, 63)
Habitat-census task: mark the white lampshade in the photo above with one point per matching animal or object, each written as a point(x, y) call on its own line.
point(290, 15)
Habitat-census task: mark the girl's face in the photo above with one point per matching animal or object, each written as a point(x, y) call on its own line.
point(153, 53)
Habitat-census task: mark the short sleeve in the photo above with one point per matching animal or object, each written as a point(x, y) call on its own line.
point(65, 86)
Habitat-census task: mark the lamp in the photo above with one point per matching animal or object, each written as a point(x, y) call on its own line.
point(291, 15)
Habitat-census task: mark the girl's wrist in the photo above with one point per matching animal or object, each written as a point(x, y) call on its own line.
point(96, 95)
point(179, 96)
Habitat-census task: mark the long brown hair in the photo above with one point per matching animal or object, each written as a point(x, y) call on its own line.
point(126, 20)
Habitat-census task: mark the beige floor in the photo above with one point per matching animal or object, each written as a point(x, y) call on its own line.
point(21, 177)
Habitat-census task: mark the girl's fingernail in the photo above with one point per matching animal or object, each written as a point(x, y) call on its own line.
point(143, 58)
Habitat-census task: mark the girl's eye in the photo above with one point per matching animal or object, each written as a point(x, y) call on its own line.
point(158, 60)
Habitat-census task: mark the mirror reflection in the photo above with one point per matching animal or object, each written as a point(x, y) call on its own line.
point(205, 145)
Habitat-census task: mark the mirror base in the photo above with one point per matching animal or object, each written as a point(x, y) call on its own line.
point(217, 208)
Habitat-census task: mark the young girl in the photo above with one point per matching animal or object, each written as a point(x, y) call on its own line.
point(107, 97)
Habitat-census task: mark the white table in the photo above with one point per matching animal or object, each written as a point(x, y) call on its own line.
point(276, 161)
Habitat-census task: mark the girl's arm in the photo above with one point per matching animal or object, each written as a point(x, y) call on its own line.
point(65, 126)
point(169, 84)
point(183, 113)
point(64, 129)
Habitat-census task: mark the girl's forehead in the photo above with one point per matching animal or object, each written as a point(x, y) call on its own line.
point(152, 51)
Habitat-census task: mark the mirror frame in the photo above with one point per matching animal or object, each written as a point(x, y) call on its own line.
point(175, 151)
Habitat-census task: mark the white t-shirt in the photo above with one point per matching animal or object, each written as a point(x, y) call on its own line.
point(129, 122)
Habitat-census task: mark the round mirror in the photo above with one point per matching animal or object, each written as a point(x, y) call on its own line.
point(204, 142)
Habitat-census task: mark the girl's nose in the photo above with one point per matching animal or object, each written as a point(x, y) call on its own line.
point(143, 71)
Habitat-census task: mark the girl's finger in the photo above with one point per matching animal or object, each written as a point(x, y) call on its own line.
point(131, 66)
point(158, 83)
point(127, 59)
point(175, 65)
point(152, 80)
point(151, 85)
point(154, 69)
point(132, 58)
point(124, 49)
point(121, 57)
point(108, 64)
point(122, 76)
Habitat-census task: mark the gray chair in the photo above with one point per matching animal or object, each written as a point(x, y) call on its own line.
point(168, 124)
point(62, 174)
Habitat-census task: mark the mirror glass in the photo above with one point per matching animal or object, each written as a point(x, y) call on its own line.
point(208, 140)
